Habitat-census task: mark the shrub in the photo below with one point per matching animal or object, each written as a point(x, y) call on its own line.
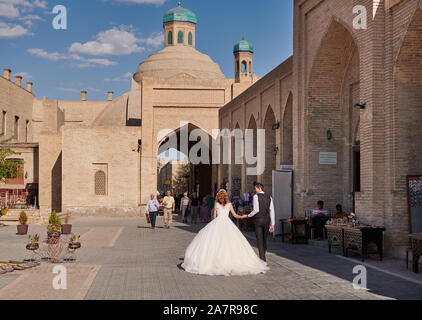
point(54, 219)
point(4, 211)
point(23, 219)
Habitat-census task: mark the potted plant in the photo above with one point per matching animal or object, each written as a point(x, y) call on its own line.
point(74, 242)
point(22, 226)
point(66, 226)
point(4, 211)
point(33, 242)
point(54, 226)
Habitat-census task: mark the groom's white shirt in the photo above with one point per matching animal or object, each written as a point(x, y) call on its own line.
point(256, 209)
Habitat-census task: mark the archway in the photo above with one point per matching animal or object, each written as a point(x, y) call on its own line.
point(408, 118)
point(287, 145)
point(408, 97)
point(236, 168)
point(250, 179)
point(334, 89)
point(271, 150)
point(185, 166)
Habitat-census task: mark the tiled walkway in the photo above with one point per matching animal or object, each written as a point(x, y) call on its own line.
point(124, 259)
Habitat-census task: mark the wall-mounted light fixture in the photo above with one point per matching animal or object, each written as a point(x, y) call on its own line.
point(276, 125)
point(276, 149)
point(329, 135)
point(360, 106)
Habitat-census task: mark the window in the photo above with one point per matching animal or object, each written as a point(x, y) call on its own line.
point(244, 66)
point(190, 39)
point(100, 183)
point(16, 128)
point(170, 38)
point(180, 37)
point(19, 180)
point(27, 131)
point(3, 123)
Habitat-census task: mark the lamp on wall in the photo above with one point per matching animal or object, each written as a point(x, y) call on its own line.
point(329, 135)
point(276, 125)
point(276, 149)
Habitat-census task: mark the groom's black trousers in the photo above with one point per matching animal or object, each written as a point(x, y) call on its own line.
point(262, 227)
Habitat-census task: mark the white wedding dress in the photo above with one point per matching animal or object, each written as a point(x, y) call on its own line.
point(221, 249)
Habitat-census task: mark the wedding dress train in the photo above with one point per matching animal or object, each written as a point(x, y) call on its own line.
point(221, 249)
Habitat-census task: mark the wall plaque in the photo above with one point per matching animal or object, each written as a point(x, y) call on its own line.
point(329, 158)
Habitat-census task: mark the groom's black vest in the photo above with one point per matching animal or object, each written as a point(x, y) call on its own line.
point(264, 201)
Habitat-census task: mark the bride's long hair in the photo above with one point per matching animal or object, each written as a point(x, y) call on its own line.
point(222, 197)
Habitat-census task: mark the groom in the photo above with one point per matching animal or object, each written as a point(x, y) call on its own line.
point(264, 218)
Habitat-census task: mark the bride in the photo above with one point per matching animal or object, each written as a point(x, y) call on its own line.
point(220, 248)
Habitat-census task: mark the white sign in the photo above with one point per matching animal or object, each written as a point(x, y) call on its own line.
point(328, 158)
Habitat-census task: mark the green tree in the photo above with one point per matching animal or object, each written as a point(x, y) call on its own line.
point(8, 168)
point(181, 181)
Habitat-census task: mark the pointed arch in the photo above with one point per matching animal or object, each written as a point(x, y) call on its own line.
point(271, 149)
point(333, 89)
point(170, 38)
point(287, 131)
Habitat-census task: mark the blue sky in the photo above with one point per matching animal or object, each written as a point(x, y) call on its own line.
point(107, 39)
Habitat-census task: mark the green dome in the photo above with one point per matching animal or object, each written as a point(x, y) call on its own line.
point(243, 46)
point(180, 14)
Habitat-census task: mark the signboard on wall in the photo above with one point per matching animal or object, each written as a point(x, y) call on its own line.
point(328, 158)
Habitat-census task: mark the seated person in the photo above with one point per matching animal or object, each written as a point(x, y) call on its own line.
point(340, 214)
point(319, 218)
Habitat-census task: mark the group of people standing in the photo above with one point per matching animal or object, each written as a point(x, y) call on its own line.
point(196, 208)
point(189, 206)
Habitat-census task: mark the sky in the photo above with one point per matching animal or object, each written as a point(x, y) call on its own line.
point(106, 40)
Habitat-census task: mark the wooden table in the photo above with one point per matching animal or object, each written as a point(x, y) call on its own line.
point(416, 246)
point(357, 239)
point(294, 230)
point(335, 233)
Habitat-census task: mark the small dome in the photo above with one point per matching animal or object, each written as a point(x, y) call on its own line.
point(180, 14)
point(243, 46)
point(175, 60)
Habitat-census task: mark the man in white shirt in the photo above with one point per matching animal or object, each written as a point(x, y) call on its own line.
point(264, 218)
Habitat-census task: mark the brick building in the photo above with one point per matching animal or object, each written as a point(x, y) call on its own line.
point(354, 95)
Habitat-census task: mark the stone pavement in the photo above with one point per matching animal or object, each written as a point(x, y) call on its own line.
point(124, 259)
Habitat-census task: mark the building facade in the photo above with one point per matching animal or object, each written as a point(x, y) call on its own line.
point(100, 157)
point(354, 132)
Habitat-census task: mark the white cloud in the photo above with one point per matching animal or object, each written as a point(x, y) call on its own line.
point(118, 41)
point(7, 10)
point(20, 10)
point(8, 30)
point(82, 62)
point(123, 78)
point(24, 75)
point(26, 3)
point(157, 2)
point(154, 41)
point(111, 42)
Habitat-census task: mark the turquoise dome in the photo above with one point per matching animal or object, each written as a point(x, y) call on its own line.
point(180, 14)
point(243, 46)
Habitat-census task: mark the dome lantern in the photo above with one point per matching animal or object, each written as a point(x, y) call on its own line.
point(180, 27)
point(243, 53)
point(243, 46)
